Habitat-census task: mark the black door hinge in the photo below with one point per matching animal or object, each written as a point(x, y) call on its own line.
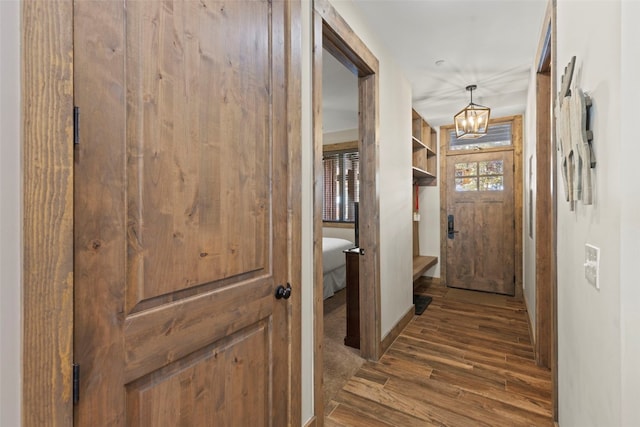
point(514, 279)
point(76, 383)
point(76, 125)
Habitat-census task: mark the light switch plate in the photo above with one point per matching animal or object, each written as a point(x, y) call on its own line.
point(592, 265)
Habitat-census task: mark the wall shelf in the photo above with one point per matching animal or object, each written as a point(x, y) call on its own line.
point(424, 144)
point(424, 169)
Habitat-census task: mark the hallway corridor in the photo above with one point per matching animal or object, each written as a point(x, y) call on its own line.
point(466, 361)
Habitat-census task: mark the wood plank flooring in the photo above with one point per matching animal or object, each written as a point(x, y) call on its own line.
point(466, 361)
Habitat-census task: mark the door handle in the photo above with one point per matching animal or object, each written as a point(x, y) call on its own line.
point(282, 292)
point(450, 227)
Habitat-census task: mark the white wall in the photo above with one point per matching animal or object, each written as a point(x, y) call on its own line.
point(339, 233)
point(10, 214)
point(630, 216)
point(589, 320)
point(394, 179)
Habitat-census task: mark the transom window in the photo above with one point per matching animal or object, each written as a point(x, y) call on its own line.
point(341, 186)
point(480, 176)
point(498, 135)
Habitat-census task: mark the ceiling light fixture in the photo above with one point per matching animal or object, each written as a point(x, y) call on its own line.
point(472, 121)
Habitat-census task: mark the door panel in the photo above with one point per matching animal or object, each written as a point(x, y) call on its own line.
point(181, 89)
point(480, 256)
point(212, 386)
point(181, 213)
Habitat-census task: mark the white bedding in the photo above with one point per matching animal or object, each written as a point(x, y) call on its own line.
point(333, 264)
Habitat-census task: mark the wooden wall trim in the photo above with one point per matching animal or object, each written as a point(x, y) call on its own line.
point(397, 329)
point(370, 325)
point(518, 186)
point(294, 230)
point(340, 146)
point(543, 220)
point(47, 271)
point(343, 43)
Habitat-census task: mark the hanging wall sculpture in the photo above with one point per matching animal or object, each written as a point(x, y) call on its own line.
point(574, 139)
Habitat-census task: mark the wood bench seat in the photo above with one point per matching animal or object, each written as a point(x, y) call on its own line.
point(422, 264)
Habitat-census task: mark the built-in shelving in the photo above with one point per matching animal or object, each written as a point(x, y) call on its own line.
point(425, 159)
point(424, 165)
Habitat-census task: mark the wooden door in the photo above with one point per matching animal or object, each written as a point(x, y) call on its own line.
point(480, 203)
point(182, 213)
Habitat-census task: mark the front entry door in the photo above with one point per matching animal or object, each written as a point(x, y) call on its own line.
point(481, 222)
point(182, 207)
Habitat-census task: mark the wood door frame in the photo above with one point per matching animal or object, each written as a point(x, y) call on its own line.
point(516, 147)
point(330, 30)
point(546, 330)
point(47, 177)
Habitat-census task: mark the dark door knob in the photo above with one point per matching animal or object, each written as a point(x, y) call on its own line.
point(282, 292)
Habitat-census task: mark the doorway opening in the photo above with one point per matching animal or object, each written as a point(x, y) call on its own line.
point(341, 170)
point(481, 218)
point(545, 231)
point(333, 34)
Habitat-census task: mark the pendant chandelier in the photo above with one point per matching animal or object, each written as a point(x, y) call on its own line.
point(473, 121)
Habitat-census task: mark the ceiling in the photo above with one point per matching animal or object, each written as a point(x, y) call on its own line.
point(442, 47)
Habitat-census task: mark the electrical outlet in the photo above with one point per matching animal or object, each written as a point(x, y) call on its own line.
point(592, 265)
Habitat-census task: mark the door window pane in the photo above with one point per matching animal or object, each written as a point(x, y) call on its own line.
point(492, 167)
point(466, 169)
point(492, 183)
point(467, 184)
point(479, 176)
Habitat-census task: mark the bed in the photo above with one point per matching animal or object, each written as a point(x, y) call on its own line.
point(333, 264)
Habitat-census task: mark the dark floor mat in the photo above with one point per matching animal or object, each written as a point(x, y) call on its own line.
point(421, 302)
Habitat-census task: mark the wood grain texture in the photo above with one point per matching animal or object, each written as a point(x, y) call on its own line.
point(47, 270)
point(340, 147)
point(344, 43)
point(464, 361)
point(518, 191)
point(185, 216)
point(543, 220)
point(424, 143)
point(370, 333)
point(450, 156)
point(422, 263)
point(481, 256)
point(293, 53)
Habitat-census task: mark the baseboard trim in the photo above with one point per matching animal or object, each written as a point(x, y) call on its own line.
point(428, 280)
point(532, 335)
point(397, 329)
point(312, 422)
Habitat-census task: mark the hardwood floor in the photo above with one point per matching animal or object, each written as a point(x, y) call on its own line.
point(466, 361)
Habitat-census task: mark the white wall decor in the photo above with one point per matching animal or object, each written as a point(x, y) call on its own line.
point(575, 139)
